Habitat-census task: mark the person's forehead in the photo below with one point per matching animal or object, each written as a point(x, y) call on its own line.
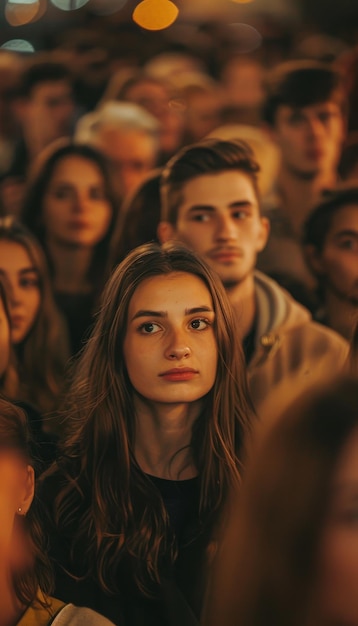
point(315, 107)
point(215, 186)
point(345, 218)
point(48, 89)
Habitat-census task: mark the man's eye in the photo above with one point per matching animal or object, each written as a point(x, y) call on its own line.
point(200, 217)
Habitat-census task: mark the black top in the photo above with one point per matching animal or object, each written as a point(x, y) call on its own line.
point(77, 310)
point(177, 601)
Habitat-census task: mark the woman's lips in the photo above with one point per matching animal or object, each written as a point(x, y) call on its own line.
point(179, 374)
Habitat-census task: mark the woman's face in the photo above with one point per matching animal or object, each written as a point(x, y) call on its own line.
point(21, 282)
point(76, 211)
point(339, 553)
point(170, 348)
point(4, 339)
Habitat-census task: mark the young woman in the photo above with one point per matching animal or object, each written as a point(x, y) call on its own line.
point(71, 209)
point(290, 553)
point(8, 376)
point(159, 408)
point(25, 574)
point(37, 330)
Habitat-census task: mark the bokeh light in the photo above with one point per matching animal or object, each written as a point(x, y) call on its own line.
point(20, 12)
point(155, 14)
point(246, 37)
point(69, 5)
point(106, 7)
point(18, 45)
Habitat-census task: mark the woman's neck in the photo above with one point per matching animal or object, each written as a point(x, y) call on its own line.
point(11, 609)
point(163, 437)
point(71, 266)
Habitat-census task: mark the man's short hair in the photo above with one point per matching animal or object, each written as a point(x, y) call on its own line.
point(300, 84)
point(42, 72)
point(320, 219)
point(209, 156)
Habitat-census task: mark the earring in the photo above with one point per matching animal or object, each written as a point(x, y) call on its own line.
point(19, 510)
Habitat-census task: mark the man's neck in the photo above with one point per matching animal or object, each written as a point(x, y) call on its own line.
point(242, 298)
point(299, 194)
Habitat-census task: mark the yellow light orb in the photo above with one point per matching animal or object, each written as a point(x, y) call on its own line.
point(155, 14)
point(18, 13)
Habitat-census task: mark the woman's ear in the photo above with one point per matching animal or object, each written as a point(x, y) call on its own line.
point(28, 490)
point(165, 232)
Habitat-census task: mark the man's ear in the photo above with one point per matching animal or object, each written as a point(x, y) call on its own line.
point(165, 232)
point(264, 233)
point(313, 259)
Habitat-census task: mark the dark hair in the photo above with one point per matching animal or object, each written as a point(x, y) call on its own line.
point(319, 220)
point(41, 72)
point(36, 573)
point(107, 504)
point(269, 562)
point(43, 353)
point(40, 177)
point(138, 219)
point(302, 83)
point(209, 156)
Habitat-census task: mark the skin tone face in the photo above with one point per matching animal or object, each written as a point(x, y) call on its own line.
point(20, 278)
point(4, 339)
point(219, 219)
point(310, 138)
point(76, 211)
point(339, 259)
point(51, 106)
point(170, 347)
point(339, 550)
point(132, 153)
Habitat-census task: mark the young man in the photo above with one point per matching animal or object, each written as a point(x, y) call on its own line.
point(211, 204)
point(330, 237)
point(305, 111)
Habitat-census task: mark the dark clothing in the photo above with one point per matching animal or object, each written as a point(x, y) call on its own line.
point(177, 600)
point(77, 310)
point(44, 445)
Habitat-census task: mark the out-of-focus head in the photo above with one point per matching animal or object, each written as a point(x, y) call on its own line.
point(305, 108)
point(70, 197)
point(291, 548)
point(5, 341)
point(129, 138)
point(330, 239)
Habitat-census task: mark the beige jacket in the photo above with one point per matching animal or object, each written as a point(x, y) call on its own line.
point(292, 353)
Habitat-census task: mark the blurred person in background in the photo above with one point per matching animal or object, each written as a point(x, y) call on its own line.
point(38, 333)
point(330, 240)
point(241, 78)
point(305, 111)
point(25, 573)
point(44, 108)
point(10, 71)
point(71, 208)
point(129, 138)
point(155, 96)
point(289, 554)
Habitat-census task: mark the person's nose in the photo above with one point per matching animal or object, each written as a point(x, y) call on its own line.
point(13, 295)
point(315, 127)
point(226, 229)
point(177, 347)
point(80, 203)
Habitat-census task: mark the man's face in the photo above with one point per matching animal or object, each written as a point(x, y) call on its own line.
point(219, 219)
point(339, 258)
point(310, 138)
point(50, 107)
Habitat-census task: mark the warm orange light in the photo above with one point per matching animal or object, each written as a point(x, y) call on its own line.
point(19, 12)
point(155, 14)
point(242, 1)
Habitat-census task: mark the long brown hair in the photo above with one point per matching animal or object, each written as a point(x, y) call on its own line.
point(35, 572)
point(108, 506)
point(42, 355)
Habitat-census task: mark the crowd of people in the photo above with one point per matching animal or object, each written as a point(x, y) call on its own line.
point(178, 341)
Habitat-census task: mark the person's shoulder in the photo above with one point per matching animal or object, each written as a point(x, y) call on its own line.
point(72, 615)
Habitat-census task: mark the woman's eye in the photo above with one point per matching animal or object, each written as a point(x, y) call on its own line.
point(29, 282)
point(97, 194)
point(199, 324)
point(149, 328)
